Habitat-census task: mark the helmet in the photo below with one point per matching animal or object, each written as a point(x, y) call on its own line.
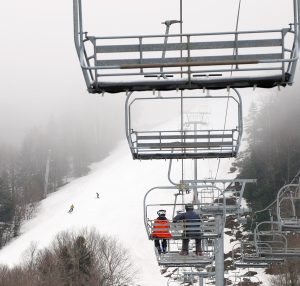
point(189, 207)
point(161, 213)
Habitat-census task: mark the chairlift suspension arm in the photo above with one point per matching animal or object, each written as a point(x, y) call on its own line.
point(168, 25)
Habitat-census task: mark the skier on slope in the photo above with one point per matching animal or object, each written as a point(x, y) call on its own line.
point(161, 232)
point(97, 194)
point(71, 208)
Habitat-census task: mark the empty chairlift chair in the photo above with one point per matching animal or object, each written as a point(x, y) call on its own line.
point(261, 58)
point(171, 143)
point(288, 207)
point(271, 241)
point(248, 256)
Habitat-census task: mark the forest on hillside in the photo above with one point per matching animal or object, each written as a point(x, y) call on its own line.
point(49, 157)
point(272, 155)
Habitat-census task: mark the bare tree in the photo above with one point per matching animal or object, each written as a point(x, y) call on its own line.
point(83, 258)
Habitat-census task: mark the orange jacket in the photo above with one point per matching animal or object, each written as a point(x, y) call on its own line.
point(161, 224)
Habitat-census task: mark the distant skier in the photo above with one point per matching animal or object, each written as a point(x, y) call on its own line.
point(97, 195)
point(71, 208)
point(161, 232)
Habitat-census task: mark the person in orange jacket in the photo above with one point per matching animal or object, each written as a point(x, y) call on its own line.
point(161, 232)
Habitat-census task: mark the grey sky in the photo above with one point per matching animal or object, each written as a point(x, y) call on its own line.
point(40, 73)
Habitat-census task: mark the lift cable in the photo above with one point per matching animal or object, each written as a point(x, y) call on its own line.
point(227, 104)
point(181, 92)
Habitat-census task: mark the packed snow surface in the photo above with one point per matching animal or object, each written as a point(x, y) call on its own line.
point(122, 184)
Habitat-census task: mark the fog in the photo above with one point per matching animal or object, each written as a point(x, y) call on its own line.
point(40, 73)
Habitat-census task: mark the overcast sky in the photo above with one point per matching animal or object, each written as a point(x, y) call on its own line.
point(40, 73)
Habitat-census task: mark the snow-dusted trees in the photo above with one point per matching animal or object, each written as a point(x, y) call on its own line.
point(83, 258)
point(46, 159)
point(272, 155)
point(7, 194)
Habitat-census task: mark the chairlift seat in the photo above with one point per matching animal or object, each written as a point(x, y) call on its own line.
point(290, 252)
point(126, 63)
point(184, 145)
point(185, 84)
point(263, 259)
point(174, 259)
point(251, 265)
point(121, 63)
point(290, 227)
point(290, 224)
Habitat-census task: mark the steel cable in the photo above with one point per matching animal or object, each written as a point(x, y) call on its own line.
point(227, 104)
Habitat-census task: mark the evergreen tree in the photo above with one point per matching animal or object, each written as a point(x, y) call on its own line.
point(273, 151)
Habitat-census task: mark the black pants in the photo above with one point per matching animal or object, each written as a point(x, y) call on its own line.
point(161, 244)
point(185, 244)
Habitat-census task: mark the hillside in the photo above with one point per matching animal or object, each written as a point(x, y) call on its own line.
point(122, 184)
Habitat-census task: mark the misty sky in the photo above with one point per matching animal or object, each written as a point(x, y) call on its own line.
point(40, 73)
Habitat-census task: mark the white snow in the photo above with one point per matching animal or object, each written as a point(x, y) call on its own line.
point(122, 184)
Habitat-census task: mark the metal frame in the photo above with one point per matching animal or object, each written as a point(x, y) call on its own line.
point(209, 230)
point(270, 238)
point(273, 242)
point(183, 144)
point(103, 74)
point(290, 193)
point(249, 256)
point(181, 275)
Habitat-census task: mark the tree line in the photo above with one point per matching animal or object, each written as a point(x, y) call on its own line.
point(73, 259)
point(272, 156)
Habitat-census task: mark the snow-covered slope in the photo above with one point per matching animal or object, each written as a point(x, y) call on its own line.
point(122, 183)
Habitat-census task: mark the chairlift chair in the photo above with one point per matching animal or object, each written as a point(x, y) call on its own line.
point(207, 229)
point(172, 143)
point(250, 258)
point(107, 68)
point(172, 258)
point(224, 192)
point(288, 204)
point(182, 275)
point(274, 242)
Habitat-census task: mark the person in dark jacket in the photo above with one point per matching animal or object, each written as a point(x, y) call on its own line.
point(193, 220)
point(160, 232)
